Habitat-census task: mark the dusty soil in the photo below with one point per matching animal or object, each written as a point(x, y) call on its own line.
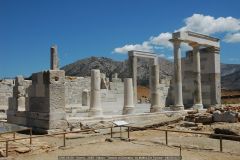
point(144, 143)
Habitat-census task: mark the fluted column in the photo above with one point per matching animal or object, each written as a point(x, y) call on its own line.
point(128, 107)
point(54, 58)
point(178, 99)
point(95, 99)
point(155, 93)
point(197, 80)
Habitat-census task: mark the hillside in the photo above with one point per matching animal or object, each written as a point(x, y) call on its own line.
point(230, 72)
point(109, 66)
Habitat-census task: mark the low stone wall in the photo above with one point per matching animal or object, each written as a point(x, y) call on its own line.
point(6, 91)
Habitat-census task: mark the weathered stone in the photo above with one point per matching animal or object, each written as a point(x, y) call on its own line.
point(128, 107)
point(86, 97)
point(228, 116)
point(54, 63)
point(155, 93)
point(95, 102)
point(188, 124)
point(204, 119)
point(23, 149)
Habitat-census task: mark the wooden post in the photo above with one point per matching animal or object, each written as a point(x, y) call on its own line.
point(166, 135)
point(14, 135)
point(64, 140)
point(7, 148)
point(30, 136)
point(111, 132)
point(129, 133)
point(221, 149)
point(180, 147)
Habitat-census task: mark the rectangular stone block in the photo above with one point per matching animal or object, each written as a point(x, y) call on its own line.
point(39, 104)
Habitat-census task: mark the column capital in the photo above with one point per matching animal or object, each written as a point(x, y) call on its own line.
point(194, 45)
point(175, 41)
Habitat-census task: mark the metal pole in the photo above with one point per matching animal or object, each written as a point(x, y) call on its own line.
point(64, 140)
point(30, 136)
point(129, 133)
point(221, 149)
point(166, 135)
point(6, 148)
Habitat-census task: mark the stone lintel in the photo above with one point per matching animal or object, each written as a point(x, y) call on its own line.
point(143, 54)
point(201, 39)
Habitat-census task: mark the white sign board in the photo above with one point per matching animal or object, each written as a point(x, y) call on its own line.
point(120, 123)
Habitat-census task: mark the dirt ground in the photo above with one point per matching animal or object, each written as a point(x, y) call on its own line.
point(143, 143)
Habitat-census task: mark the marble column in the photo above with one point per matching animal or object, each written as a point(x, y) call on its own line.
point(197, 80)
point(155, 93)
point(128, 107)
point(178, 99)
point(95, 98)
point(133, 73)
point(54, 58)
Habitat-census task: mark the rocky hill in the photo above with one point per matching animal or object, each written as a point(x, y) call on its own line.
point(230, 72)
point(109, 66)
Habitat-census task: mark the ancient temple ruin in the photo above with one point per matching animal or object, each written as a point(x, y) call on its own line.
point(51, 100)
point(201, 71)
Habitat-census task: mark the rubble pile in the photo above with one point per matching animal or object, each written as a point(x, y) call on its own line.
point(226, 114)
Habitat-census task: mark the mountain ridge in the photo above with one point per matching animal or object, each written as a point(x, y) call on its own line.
point(230, 73)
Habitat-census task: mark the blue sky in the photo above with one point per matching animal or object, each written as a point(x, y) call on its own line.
point(83, 28)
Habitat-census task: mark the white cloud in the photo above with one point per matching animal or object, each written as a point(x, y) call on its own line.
point(170, 57)
point(234, 59)
point(232, 38)
point(161, 55)
point(196, 23)
point(159, 42)
point(162, 40)
point(209, 25)
point(145, 46)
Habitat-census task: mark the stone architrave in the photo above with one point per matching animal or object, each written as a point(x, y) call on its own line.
point(95, 98)
point(128, 107)
point(54, 58)
point(197, 82)
point(155, 93)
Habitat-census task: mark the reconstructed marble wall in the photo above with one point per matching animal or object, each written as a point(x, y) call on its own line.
point(210, 79)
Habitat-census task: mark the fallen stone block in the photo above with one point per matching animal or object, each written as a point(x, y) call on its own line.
point(23, 150)
point(188, 124)
point(204, 119)
point(228, 116)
